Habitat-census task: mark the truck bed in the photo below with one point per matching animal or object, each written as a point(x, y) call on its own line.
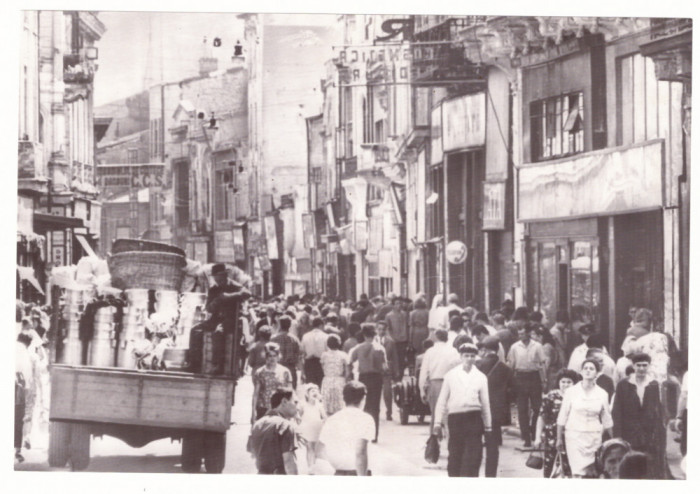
point(138, 397)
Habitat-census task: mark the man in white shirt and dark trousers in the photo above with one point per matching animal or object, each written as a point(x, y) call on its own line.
point(437, 361)
point(346, 434)
point(313, 344)
point(464, 398)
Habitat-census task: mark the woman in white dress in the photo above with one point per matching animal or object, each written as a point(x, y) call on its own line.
point(583, 418)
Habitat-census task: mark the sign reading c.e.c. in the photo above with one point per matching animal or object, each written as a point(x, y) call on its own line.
point(456, 252)
point(149, 179)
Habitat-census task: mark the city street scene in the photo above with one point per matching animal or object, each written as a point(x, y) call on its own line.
point(353, 244)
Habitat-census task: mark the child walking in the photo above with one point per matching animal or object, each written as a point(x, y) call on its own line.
point(312, 419)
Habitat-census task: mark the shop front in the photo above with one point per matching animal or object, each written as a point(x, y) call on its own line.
point(594, 235)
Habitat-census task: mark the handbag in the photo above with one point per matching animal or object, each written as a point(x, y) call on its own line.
point(432, 449)
point(557, 471)
point(535, 460)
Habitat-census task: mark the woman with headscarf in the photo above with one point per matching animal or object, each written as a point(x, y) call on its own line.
point(608, 457)
point(546, 434)
point(583, 419)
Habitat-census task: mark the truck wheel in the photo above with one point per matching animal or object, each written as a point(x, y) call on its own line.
point(214, 452)
point(59, 444)
point(404, 416)
point(192, 452)
point(421, 419)
point(80, 447)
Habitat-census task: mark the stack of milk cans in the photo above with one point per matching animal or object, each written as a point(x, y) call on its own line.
point(75, 298)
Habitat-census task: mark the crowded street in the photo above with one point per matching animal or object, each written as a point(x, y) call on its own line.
point(353, 245)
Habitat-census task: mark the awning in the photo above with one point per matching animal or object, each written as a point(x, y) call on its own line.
point(86, 245)
point(27, 273)
point(55, 222)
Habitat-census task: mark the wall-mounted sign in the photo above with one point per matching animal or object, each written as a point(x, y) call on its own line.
point(494, 206)
point(271, 237)
point(238, 244)
point(360, 239)
point(308, 226)
point(223, 246)
point(464, 122)
point(456, 252)
point(131, 175)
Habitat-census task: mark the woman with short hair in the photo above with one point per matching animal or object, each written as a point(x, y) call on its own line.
point(583, 419)
point(268, 379)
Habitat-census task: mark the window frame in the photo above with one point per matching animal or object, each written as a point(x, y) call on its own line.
point(548, 116)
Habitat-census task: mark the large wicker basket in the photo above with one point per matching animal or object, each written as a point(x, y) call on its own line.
point(152, 270)
point(131, 244)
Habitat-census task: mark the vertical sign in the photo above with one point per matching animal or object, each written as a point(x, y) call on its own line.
point(309, 228)
point(360, 235)
point(436, 135)
point(494, 205)
point(271, 236)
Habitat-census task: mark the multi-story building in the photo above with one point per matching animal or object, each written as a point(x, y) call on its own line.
point(56, 185)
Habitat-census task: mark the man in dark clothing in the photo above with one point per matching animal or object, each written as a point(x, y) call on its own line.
point(290, 348)
point(273, 439)
point(363, 310)
point(392, 374)
point(397, 325)
point(500, 382)
point(372, 363)
point(385, 306)
point(602, 380)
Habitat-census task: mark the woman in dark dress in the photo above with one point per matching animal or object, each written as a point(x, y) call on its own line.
point(547, 423)
point(638, 416)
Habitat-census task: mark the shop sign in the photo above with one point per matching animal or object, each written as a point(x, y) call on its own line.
point(308, 226)
point(494, 205)
point(464, 122)
point(223, 246)
point(597, 183)
point(131, 175)
point(271, 237)
point(238, 244)
point(436, 135)
point(95, 218)
point(456, 252)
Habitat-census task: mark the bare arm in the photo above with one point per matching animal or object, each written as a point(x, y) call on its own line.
point(361, 460)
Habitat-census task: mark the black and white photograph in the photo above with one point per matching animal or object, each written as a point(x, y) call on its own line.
point(351, 244)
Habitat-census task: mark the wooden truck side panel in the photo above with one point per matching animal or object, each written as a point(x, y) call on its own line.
point(147, 398)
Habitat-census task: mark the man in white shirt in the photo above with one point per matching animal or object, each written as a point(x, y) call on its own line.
point(313, 344)
point(452, 306)
point(345, 434)
point(464, 398)
point(437, 361)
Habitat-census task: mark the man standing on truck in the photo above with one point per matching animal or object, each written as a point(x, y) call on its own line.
point(273, 439)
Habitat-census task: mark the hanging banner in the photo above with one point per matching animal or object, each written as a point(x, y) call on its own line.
point(271, 237)
point(223, 246)
point(494, 206)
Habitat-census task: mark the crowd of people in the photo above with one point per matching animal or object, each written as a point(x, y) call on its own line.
point(589, 415)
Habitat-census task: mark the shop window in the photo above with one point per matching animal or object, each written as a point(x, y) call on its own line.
point(556, 126)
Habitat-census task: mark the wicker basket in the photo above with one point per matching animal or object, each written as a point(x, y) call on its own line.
point(152, 270)
point(130, 245)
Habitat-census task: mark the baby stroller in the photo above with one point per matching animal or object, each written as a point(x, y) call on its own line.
point(407, 395)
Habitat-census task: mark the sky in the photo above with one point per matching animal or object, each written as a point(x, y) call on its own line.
point(139, 47)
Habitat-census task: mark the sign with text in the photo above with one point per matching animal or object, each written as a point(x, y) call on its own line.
point(494, 206)
point(464, 122)
point(131, 175)
point(456, 252)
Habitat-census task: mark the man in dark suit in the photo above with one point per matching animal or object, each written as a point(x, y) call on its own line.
point(392, 374)
point(500, 380)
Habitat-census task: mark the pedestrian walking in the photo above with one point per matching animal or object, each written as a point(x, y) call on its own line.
point(583, 419)
point(603, 380)
point(372, 363)
point(437, 361)
point(345, 436)
point(336, 370)
point(546, 432)
point(268, 379)
point(418, 324)
point(552, 364)
point(273, 439)
point(464, 401)
point(638, 415)
point(312, 417)
point(392, 373)
point(526, 358)
point(559, 333)
point(500, 382)
point(313, 344)
point(397, 326)
point(352, 341)
point(256, 355)
point(290, 348)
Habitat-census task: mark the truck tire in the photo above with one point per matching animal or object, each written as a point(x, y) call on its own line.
point(59, 444)
point(192, 452)
point(79, 446)
point(214, 452)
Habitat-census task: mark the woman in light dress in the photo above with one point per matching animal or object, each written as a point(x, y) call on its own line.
point(312, 417)
point(335, 364)
point(583, 419)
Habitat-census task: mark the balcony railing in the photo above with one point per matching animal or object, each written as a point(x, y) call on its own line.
point(77, 69)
